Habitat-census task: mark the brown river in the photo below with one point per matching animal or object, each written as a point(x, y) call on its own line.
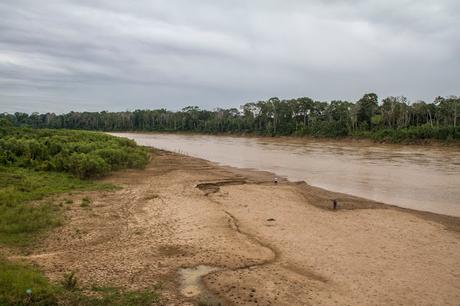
point(418, 177)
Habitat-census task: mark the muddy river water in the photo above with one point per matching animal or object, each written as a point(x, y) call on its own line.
point(417, 177)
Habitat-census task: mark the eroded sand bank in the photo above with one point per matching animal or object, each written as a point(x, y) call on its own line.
point(264, 244)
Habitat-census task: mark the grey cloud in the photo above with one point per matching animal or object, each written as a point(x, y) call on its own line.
point(116, 55)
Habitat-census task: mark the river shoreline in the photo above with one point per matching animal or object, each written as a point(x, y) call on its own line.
point(264, 243)
point(420, 178)
point(344, 139)
point(344, 201)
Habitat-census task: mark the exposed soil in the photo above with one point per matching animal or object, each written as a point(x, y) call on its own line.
point(263, 243)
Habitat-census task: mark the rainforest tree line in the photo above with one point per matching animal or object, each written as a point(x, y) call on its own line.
point(393, 118)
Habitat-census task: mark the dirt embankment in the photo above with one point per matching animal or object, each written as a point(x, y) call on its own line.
point(266, 244)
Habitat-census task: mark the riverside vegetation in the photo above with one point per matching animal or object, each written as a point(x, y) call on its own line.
point(393, 119)
point(34, 165)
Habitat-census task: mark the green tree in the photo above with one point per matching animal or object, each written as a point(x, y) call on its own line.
point(367, 107)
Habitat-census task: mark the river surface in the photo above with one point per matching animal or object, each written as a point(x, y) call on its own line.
point(418, 177)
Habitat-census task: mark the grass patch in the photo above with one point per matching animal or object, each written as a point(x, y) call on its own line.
point(20, 220)
point(18, 185)
point(19, 225)
point(24, 285)
point(17, 279)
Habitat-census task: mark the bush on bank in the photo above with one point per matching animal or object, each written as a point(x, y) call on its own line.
point(81, 153)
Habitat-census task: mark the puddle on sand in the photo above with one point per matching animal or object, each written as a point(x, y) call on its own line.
point(192, 285)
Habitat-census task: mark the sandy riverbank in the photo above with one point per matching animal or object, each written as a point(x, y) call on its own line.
point(270, 244)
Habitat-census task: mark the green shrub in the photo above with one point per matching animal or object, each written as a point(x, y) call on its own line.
point(84, 154)
point(117, 158)
point(87, 165)
point(137, 160)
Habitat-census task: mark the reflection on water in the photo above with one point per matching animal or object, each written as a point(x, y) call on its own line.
point(423, 178)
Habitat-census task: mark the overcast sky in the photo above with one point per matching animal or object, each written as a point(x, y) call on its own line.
point(57, 56)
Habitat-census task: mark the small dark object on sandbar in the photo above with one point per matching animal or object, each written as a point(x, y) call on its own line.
point(275, 180)
point(270, 219)
point(334, 204)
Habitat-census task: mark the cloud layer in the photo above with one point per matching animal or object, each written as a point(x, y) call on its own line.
point(117, 55)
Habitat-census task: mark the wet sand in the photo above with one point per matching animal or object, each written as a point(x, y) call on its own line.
point(262, 244)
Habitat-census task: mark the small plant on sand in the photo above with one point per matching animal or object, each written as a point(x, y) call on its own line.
point(69, 281)
point(152, 196)
point(68, 201)
point(85, 202)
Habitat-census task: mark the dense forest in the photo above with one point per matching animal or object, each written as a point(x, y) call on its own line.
point(393, 119)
